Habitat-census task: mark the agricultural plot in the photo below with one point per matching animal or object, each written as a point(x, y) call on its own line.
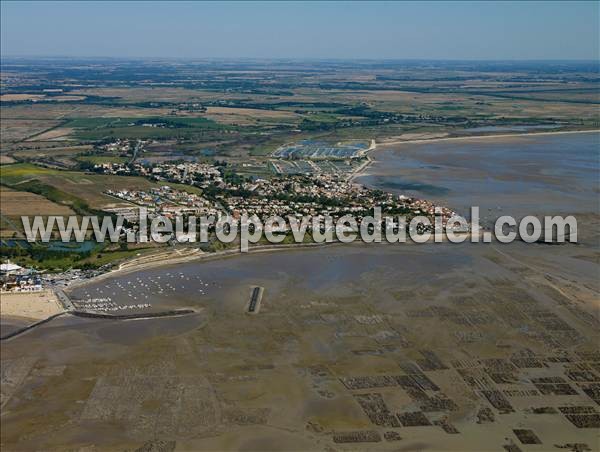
point(13, 130)
point(56, 134)
point(14, 204)
point(81, 191)
point(250, 116)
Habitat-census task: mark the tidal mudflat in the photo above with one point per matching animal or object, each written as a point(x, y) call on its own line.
point(527, 175)
point(438, 346)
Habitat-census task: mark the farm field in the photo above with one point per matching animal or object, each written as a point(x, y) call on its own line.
point(13, 130)
point(16, 203)
point(76, 188)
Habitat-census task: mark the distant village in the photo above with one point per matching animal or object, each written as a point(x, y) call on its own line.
point(292, 195)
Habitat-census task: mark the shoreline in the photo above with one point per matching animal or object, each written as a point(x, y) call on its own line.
point(360, 170)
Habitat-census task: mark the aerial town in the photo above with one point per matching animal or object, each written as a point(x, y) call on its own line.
point(293, 195)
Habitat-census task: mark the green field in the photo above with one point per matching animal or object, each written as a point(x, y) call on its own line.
point(17, 173)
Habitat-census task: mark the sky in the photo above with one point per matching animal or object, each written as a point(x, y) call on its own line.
point(321, 30)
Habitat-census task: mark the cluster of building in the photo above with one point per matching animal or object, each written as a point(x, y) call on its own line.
point(323, 194)
point(121, 169)
point(263, 207)
point(428, 208)
point(14, 278)
point(191, 173)
point(118, 145)
point(201, 174)
point(166, 201)
point(314, 195)
point(68, 277)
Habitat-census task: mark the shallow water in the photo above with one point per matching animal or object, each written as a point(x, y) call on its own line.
point(530, 175)
point(215, 284)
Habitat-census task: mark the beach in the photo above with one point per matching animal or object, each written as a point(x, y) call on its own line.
point(30, 305)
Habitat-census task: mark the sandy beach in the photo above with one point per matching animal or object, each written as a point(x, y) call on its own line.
point(31, 306)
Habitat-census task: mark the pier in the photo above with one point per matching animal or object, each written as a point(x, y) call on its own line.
point(64, 300)
point(255, 300)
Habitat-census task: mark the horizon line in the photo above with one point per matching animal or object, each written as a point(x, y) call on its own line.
point(549, 60)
